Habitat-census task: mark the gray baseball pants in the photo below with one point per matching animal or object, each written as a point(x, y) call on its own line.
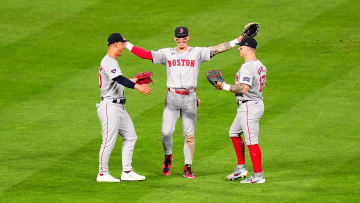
point(115, 121)
point(247, 121)
point(185, 106)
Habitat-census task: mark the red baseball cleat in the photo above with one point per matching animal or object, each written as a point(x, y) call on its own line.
point(188, 173)
point(167, 165)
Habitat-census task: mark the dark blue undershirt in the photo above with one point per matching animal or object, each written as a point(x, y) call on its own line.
point(124, 81)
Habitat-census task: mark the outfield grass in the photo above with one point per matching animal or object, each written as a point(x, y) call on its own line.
point(50, 134)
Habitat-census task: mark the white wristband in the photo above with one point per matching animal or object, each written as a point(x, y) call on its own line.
point(232, 43)
point(226, 87)
point(129, 46)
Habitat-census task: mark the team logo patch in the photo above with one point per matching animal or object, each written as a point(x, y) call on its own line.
point(113, 70)
point(246, 79)
point(181, 30)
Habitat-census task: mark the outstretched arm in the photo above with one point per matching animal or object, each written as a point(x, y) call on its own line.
point(224, 47)
point(142, 53)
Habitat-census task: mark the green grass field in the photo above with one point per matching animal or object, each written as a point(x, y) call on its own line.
point(50, 133)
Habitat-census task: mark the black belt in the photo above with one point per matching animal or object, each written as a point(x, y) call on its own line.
point(117, 101)
point(243, 101)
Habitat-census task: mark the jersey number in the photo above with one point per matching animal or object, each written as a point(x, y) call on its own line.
point(262, 82)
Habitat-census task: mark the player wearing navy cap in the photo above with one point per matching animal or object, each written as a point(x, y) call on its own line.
point(112, 113)
point(182, 67)
point(249, 84)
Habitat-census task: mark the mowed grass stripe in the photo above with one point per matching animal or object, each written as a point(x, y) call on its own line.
point(21, 18)
point(306, 145)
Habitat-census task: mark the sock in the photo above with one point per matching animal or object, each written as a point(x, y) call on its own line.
point(255, 154)
point(239, 149)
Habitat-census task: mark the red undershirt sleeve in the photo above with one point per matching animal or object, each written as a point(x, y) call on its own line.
point(142, 53)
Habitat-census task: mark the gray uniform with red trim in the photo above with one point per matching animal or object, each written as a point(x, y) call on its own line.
point(182, 70)
point(251, 106)
point(113, 116)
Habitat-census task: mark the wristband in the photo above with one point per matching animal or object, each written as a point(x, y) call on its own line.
point(233, 42)
point(226, 87)
point(129, 46)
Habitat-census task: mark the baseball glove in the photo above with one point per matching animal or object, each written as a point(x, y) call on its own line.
point(214, 76)
point(250, 30)
point(144, 78)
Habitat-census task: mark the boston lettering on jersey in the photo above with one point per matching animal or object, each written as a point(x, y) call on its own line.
point(181, 62)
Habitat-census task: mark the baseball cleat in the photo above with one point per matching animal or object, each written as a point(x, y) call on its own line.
point(166, 170)
point(131, 176)
point(106, 177)
point(254, 179)
point(188, 173)
point(239, 172)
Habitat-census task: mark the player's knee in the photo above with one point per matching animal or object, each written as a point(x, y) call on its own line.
point(167, 133)
point(132, 138)
point(108, 148)
point(190, 138)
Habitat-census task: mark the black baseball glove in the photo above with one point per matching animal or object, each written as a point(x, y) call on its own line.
point(250, 30)
point(214, 77)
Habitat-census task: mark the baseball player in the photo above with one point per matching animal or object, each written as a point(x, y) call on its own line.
point(250, 82)
point(112, 113)
point(182, 68)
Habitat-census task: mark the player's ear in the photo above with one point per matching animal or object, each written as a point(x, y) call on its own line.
point(188, 37)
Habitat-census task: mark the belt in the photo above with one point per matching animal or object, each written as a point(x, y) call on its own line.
point(243, 101)
point(182, 91)
point(117, 101)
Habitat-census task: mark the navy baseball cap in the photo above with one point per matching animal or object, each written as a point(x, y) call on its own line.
point(248, 41)
point(181, 32)
point(115, 37)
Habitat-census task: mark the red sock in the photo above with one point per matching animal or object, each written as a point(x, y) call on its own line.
point(255, 154)
point(239, 149)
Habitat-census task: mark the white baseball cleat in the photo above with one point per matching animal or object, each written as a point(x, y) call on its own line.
point(131, 176)
point(106, 177)
point(254, 179)
point(239, 172)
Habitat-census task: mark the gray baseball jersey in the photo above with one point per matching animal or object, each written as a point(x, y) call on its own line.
point(182, 68)
point(110, 69)
point(252, 73)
